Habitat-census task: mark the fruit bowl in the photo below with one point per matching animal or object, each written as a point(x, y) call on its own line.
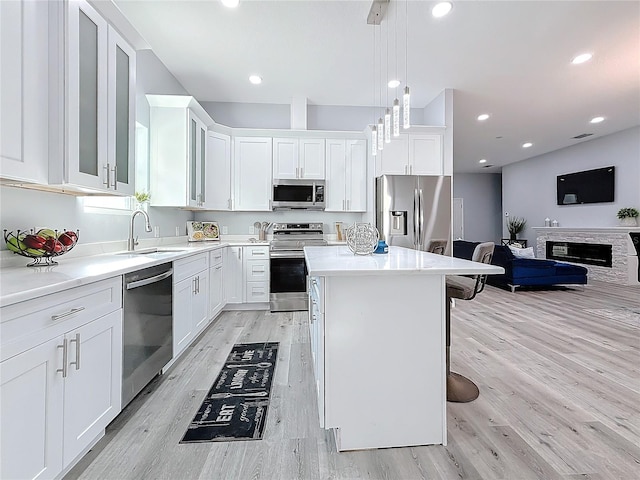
point(41, 245)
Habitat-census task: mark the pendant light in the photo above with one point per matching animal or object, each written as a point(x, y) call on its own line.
point(374, 141)
point(374, 128)
point(396, 118)
point(387, 126)
point(380, 134)
point(381, 122)
point(406, 98)
point(387, 112)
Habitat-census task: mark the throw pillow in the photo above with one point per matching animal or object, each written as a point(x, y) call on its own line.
point(522, 252)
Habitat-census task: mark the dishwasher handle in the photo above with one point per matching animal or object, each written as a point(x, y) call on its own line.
point(150, 280)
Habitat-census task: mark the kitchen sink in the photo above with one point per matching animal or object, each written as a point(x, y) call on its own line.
point(147, 251)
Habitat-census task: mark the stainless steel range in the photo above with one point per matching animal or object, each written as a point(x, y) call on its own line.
point(287, 265)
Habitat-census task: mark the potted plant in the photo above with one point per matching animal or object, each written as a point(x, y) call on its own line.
point(142, 200)
point(628, 216)
point(515, 225)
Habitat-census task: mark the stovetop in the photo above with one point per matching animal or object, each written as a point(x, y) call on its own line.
point(295, 236)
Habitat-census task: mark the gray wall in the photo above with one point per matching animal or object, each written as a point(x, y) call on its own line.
point(482, 202)
point(319, 117)
point(529, 186)
point(23, 208)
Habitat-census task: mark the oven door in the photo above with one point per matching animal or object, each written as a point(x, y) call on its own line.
point(288, 282)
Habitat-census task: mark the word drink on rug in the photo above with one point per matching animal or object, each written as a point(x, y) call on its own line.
point(236, 406)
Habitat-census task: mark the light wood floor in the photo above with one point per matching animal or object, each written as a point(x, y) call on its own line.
point(558, 371)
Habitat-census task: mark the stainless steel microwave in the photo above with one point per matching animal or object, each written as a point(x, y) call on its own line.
point(298, 195)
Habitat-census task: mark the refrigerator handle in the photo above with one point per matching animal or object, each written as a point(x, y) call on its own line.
point(416, 219)
point(421, 217)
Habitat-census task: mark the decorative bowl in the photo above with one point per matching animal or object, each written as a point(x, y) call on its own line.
point(362, 238)
point(41, 245)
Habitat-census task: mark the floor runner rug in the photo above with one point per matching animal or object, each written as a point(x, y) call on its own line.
point(236, 406)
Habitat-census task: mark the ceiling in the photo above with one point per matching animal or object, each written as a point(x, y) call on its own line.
point(511, 60)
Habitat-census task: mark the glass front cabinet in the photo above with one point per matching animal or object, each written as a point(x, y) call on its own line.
point(100, 104)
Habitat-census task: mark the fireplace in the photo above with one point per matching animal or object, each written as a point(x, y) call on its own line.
point(586, 253)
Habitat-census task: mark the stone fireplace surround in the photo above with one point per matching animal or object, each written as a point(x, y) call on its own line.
point(624, 268)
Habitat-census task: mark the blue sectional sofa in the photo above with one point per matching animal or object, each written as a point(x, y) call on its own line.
point(525, 272)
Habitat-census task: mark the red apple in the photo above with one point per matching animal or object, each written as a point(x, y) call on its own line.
point(52, 245)
point(34, 241)
point(68, 238)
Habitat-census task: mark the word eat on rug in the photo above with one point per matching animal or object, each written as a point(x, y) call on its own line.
point(236, 406)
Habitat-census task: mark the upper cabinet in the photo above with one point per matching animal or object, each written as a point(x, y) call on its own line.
point(68, 99)
point(298, 158)
point(23, 100)
point(218, 171)
point(411, 154)
point(98, 114)
point(178, 151)
point(252, 173)
point(346, 184)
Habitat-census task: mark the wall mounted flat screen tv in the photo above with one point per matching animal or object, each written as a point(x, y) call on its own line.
point(590, 186)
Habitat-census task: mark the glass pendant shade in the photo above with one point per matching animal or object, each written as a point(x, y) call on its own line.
point(380, 134)
point(374, 140)
point(387, 126)
point(396, 118)
point(406, 108)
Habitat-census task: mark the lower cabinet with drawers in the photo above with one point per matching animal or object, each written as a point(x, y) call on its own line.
point(61, 374)
point(246, 272)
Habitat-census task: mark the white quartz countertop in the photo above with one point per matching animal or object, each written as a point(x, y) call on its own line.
point(22, 283)
point(338, 260)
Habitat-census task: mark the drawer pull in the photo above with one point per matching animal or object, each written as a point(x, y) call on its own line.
point(63, 370)
point(77, 342)
point(218, 267)
point(66, 314)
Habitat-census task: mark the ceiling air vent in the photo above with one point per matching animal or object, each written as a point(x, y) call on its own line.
point(487, 166)
point(582, 135)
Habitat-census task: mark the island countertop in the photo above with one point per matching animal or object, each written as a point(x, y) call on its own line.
point(339, 260)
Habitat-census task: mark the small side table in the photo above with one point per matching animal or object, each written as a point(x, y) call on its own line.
point(508, 241)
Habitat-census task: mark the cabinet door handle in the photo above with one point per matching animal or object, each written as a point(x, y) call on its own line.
point(108, 181)
point(301, 172)
point(115, 177)
point(64, 347)
point(297, 176)
point(193, 282)
point(348, 205)
point(66, 314)
point(229, 203)
point(77, 342)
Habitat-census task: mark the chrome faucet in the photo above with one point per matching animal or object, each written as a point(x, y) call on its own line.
point(131, 242)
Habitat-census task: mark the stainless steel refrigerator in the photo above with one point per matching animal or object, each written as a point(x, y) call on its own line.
point(415, 212)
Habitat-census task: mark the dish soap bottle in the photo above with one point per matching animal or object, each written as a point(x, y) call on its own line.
point(382, 247)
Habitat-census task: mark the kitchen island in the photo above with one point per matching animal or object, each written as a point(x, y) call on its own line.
point(377, 325)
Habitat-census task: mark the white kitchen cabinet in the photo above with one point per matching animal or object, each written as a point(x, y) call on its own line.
point(316, 334)
point(25, 85)
point(98, 107)
point(411, 154)
point(298, 158)
point(190, 300)
point(256, 274)
point(233, 272)
point(61, 377)
point(216, 285)
point(31, 406)
point(177, 151)
point(346, 184)
point(252, 173)
point(218, 172)
point(95, 368)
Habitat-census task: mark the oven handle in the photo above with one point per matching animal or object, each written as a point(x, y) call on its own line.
point(147, 281)
point(287, 254)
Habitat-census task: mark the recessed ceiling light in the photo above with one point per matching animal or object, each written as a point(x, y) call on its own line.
point(483, 160)
point(596, 120)
point(483, 117)
point(583, 57)
point(441, 9)
point(230, 3)
point(527, 145)
point(255, 79)
point(394, 83)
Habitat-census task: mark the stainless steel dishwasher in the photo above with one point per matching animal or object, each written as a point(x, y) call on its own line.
point(147, 328)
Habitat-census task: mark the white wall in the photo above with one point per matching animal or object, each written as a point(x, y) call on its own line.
point(482, 201)
point(529, 186)
point(24, 209)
